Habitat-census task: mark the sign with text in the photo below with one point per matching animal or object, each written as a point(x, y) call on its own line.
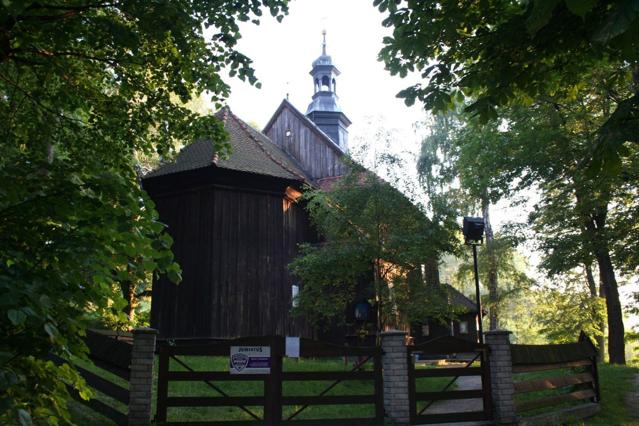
point(292, 347)
point(250, 360)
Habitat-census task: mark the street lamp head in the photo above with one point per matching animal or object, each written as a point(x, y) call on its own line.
point(473, 230)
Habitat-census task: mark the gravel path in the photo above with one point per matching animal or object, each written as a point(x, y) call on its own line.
point(460, 405)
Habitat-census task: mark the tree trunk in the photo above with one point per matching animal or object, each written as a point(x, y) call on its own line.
point(127, 288)
point(596, 228)
point(616, 344)
point(596, 291)
point(595, 233)
point(493, 295)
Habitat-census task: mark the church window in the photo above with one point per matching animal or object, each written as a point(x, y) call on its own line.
point(334, 86)
point(425, 330)
point(326, 84)
point(295, 291)
point(463, 327)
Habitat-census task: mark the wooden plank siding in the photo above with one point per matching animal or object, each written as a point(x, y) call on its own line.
point(234, 245)
point(310, 147)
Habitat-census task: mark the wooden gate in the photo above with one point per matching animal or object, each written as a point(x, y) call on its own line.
point(449, 369)
point(273, 402)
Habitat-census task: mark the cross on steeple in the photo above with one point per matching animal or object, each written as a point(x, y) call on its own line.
point(324, 42)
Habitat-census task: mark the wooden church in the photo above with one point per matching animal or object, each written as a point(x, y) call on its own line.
point(236, 224)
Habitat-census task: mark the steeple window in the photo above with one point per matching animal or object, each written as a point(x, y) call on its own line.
point(334, 87)
point(326, 84)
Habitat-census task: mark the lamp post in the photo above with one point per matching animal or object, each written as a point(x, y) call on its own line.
point(473, 230)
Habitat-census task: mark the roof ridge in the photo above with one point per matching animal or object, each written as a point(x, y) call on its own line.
point(259, 143)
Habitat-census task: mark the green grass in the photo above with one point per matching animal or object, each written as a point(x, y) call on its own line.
point(615, 383)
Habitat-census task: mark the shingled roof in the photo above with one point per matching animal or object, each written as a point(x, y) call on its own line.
point(456, 298)
point(251, 151)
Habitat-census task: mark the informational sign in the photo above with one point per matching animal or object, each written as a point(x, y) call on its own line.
point(292, 347)
point(250, 360)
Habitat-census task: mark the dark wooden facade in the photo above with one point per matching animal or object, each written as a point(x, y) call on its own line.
point(234, 235)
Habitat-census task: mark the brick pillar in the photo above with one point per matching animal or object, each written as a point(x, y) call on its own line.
point(141, 378)
point(395, 372)
point(501, 377)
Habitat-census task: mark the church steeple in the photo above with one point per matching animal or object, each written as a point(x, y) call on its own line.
point(324, 109)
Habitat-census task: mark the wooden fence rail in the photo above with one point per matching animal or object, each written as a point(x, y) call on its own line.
point(576, 379)
point(109, 351)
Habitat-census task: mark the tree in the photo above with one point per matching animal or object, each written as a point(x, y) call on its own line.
point(374, 242)
point(497, 53)
point(577, 216)
point(566, 309)
point(508, 266)
point(581, 219)
point(456, 167)
point(86, 88)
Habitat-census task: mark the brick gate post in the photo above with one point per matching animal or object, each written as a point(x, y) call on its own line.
point(501, 377)
point(141, 377)
point(395, 374)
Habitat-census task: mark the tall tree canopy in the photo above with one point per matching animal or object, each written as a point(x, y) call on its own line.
point(495, 53)
point(85, 87)
point(580, 220)
point(455, 164)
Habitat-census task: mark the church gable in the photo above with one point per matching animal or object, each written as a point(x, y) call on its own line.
point(299, 137)
point(318, 139)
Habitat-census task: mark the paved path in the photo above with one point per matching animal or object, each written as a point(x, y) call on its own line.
point(632, 401)
point(460, 405)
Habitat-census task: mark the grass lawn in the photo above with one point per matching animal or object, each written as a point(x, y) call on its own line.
point(83, 415)
point(615, 383)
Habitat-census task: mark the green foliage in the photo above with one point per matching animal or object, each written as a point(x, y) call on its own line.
point(488, 54)
point(579, 218)
point(564, 311)
point(373, 236)
point(87, 88)
point(330, 274)
point(510, 266)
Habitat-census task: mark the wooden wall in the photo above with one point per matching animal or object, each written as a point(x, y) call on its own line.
point(234, 246)
point(314, 154)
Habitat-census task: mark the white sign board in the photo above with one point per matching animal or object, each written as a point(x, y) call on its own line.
point(250, 360)
point(292, 347)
